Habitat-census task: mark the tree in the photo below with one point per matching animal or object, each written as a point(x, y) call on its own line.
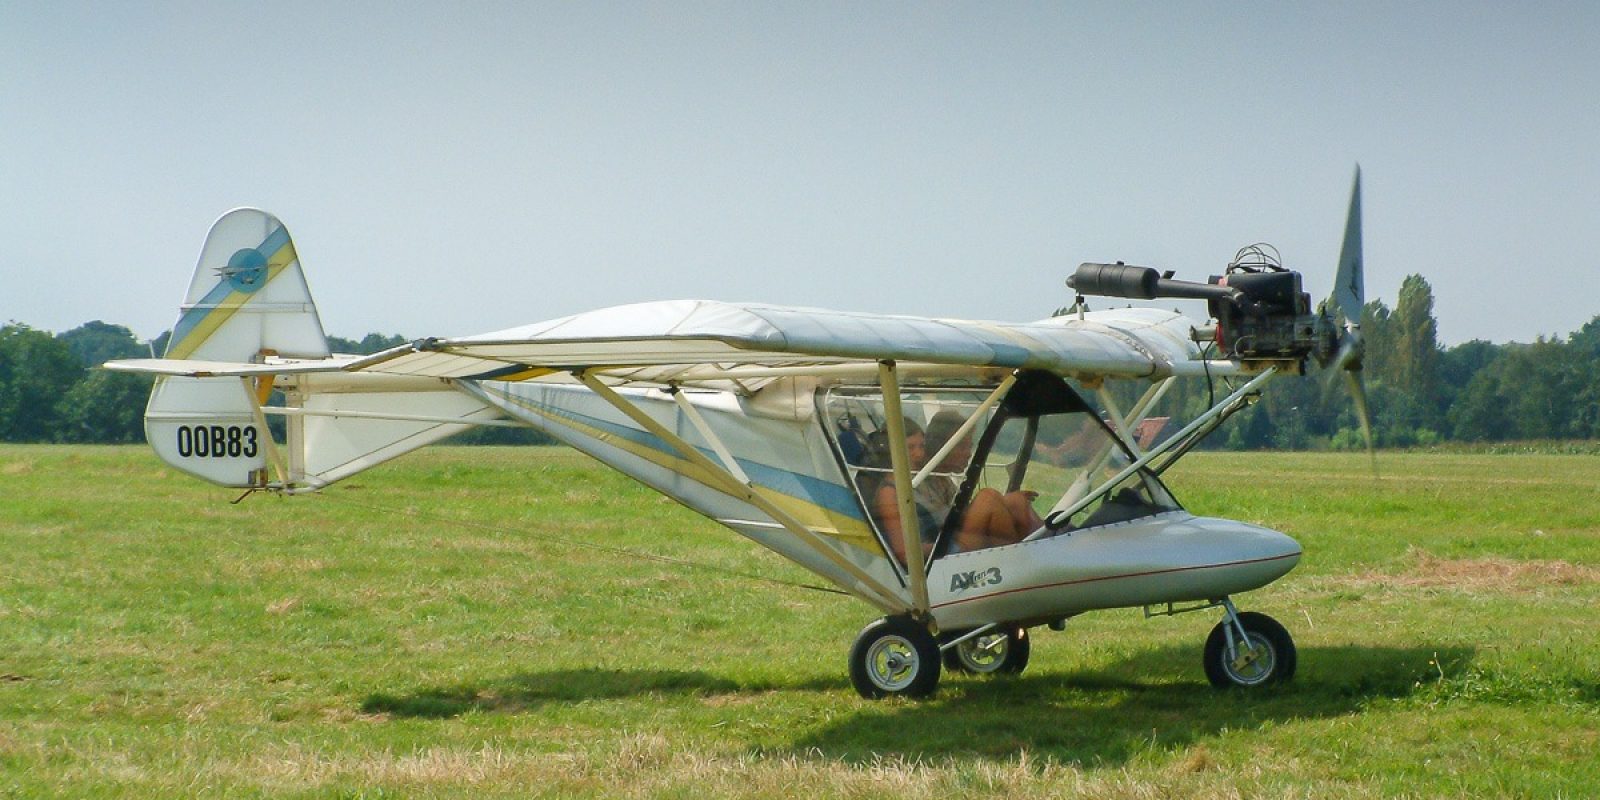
point(1539, 382)
point(1479, 413)
point(1414, 368)
point(369, 344)
point(1379, 338)
point(1585, 348)
point(1459, 364)
point(105, 407)
point(1532, 391)
point(95, 343)
point(36, 370)
point(501, 435)
point(1250, 429)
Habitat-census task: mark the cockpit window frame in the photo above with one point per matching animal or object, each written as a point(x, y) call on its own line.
point(1035, 396)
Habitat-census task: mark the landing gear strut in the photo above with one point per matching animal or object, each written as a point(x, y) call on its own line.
point(1248, 649)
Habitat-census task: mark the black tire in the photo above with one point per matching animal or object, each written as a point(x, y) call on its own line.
point(986, 655)
point(1274, 665)
point(894, 656)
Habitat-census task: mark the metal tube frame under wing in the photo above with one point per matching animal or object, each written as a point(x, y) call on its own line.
point(1143, 460)
point(879, 595)
point(966, 428)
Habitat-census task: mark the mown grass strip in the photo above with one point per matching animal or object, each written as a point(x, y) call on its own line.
point(157, 641)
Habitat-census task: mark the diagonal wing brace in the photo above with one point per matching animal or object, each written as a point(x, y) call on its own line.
point(1144, 460)
point(877, 594)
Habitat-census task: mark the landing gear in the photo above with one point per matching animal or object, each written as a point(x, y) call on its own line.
point(1248, 649)
point(895, 656)
point(1003, 651)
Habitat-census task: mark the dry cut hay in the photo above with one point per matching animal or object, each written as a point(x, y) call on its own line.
point(1429, 571)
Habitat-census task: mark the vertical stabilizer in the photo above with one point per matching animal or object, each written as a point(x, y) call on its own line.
point(247, 300)
point(248, 296)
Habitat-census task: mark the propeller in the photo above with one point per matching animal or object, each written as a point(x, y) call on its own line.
point(1262, 316)
point(1349, 297)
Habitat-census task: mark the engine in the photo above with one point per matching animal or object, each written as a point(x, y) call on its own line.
point(1261, 311)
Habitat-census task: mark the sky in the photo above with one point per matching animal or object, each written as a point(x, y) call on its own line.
point(455, 168)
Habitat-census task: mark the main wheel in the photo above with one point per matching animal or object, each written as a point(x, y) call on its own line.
point(894, 656)
point(1269, 657)
point(1000, 652)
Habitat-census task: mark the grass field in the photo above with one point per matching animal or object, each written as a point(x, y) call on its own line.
point(421, 630)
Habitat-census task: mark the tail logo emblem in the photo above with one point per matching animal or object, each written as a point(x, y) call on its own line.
point(246, 271)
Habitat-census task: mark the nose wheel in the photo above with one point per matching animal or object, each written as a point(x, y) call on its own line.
point(1247, 650)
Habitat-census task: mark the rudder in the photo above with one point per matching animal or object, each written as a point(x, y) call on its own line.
point(248, 296)
point(248, 299)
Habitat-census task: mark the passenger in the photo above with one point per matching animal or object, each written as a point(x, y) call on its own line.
point(990, 519)
point(886, 505)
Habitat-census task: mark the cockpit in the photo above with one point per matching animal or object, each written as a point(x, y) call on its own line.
point(990, 466)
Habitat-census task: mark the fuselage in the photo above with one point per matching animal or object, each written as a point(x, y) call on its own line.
point(782, 446)
point(1167, 558)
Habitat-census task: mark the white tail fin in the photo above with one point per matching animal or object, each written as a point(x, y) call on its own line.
point(247, 300)
point(248, 296)
point(248, 303)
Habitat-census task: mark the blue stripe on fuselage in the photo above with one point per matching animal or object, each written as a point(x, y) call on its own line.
point(830, 496)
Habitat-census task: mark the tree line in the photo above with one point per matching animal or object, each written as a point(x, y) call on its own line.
point(52, 390)
point(1419, 392)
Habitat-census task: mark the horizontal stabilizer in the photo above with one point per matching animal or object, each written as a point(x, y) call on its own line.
point(190, 368)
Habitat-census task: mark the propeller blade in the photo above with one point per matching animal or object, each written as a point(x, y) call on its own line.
point(1352, 350)
point(1350, 297)
point(1358, 394)
point(1349, 285)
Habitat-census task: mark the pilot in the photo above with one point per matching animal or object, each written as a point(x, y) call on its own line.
point(990, 518)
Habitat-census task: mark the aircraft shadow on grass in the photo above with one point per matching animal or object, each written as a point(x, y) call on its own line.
point(1103, 716)
point(1109, 715)
point(530, 690)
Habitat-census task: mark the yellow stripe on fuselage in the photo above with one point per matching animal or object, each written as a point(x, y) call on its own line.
point(816, 518)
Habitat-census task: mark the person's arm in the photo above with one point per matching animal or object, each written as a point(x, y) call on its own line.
point(887, 508)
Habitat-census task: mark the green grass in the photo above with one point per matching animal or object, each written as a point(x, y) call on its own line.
point(421, 631)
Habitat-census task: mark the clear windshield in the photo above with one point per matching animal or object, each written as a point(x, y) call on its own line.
point(860, 430)
point(985, 477)
point(1059, 460)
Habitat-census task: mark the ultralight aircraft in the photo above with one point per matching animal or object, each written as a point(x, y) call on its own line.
point(944, 471)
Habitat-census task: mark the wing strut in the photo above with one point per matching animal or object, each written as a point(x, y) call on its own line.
point(699, 423)
point(1141, 409)
point(256, 390)
point(1121, 425)
point(877, 594)
point(900, 459)
point(961, 433)
point(1150, 455)
point(1124, 425)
